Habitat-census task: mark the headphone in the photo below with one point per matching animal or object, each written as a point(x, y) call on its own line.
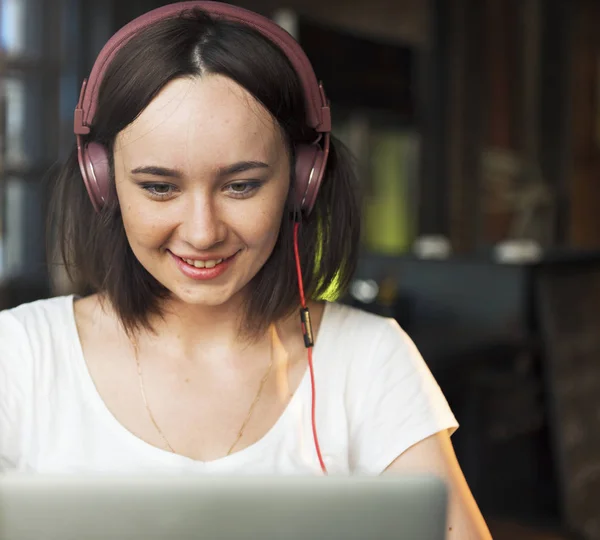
point(310, 159)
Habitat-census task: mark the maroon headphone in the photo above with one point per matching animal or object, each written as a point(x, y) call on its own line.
point(310, 158)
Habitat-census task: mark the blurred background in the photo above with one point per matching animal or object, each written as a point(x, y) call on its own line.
point(476, 128)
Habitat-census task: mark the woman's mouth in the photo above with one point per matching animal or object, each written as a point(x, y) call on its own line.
point(203, 269)
point(203, 264)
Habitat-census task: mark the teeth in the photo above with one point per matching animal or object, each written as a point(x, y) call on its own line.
point(203, 264)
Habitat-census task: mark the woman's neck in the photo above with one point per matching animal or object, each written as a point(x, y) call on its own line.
point(190, 328)
point(194, 333)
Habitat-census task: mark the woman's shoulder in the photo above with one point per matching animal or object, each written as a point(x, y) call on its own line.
point(47, 310)
point(355, 326)
point(367, 343)
point(32, 324)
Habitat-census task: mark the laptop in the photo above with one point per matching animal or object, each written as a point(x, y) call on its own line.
point(38, 507)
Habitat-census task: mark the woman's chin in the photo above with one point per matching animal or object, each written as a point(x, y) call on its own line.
point(206, 299)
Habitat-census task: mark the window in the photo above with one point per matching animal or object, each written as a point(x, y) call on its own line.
point(29, 91)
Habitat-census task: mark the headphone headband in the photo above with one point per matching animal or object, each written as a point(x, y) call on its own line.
point(318, 115)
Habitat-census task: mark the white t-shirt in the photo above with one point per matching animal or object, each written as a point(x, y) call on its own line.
point(375, 398)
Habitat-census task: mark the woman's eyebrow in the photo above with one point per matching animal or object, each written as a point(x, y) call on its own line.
point(154, 170)
point(239, 167)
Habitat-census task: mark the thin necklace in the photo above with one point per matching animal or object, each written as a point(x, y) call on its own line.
point(256, 398)
point(143, 391)
point(246, 420)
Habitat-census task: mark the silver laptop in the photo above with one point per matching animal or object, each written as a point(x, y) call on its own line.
point(39, 507)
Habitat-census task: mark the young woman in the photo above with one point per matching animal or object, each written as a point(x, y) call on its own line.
point(205, 205)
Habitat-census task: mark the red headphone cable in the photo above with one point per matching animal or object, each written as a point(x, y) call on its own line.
point(307, 332)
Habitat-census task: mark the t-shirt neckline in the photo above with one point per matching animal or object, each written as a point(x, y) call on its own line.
point(96, 400)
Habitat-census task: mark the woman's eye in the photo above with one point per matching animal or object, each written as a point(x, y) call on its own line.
point(242, 189)
point(158, 191)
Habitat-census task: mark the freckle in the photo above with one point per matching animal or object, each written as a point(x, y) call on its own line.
point(187, 380)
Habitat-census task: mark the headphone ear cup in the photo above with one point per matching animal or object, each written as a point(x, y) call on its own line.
point(95, 170)
point(310, 167)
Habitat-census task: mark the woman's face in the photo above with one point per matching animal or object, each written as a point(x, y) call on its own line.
point(202, 177)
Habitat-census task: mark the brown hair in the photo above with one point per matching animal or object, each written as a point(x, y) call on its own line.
point(94, 247)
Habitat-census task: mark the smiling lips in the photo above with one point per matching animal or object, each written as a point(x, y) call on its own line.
point(203, 264)
point(203, 269)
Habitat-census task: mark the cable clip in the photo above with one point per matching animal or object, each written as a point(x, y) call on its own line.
point(307, 330)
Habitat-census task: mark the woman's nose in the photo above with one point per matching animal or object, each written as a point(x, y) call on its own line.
point(203, 226)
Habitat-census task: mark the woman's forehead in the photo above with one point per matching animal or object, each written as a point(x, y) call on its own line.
point(200, 118)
